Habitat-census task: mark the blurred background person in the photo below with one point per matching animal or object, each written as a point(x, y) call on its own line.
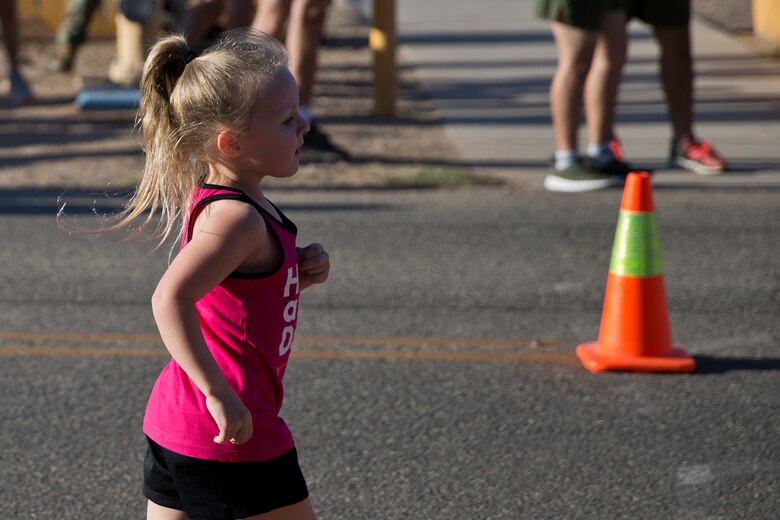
point(17, 85)
point(300, 24)
point(590, 37)
point(200, 18)
point(670, 22)
point(72, 32)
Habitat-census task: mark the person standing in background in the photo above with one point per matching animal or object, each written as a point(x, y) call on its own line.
point(590, 36)
point(300, 24)
point(201, 16)
point(72, 32)
point(18, 86)
point(297, 23)
point(670, 21)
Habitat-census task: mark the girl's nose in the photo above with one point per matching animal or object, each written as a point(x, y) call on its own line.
point(304, 126)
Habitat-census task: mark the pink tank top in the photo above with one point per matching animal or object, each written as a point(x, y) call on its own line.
point(248, 322)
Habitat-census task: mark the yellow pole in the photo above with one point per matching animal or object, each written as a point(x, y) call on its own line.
point(46, 15)
point(382, 40)
point(766, 20)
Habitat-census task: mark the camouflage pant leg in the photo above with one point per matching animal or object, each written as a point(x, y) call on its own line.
point(73, 29)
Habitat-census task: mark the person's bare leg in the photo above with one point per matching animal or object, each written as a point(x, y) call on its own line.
point(271, 17)
point(300, 511)
point(575, 52)
point(300, 24)
point(603, 82)
point(676, 71)
point(240, 13)
point(133, 40)
point(9, 24)
point(677, 76)
point(158, 512)
point(10, 27)
point(304, 36)
point(199, 19)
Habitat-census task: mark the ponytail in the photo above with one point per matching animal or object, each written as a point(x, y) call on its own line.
point(186, 100)
point(165, 186)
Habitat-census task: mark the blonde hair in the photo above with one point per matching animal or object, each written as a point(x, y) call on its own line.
point(185, 102)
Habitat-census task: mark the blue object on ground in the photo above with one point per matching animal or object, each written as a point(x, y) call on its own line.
point(108, 97)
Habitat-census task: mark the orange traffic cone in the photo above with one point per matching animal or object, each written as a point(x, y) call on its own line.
point(634, 334)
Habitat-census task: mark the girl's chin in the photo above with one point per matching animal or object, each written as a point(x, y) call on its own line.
point(294, 169)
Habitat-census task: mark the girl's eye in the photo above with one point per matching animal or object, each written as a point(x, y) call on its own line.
point(289, 120)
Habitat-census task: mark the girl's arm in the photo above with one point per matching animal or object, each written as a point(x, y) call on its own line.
point(231, 233)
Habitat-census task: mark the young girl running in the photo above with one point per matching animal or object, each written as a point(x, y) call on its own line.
point(214, 125)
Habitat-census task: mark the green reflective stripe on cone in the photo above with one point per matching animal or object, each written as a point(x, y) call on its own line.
point(637, 249)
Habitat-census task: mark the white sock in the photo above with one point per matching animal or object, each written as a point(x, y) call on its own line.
point(305, 112)
point(600, 153)
point(564, 158)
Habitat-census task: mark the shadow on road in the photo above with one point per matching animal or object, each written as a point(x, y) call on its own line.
point(85, 202)
point(721, 365)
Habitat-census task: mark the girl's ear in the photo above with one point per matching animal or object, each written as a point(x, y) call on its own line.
point(228, 144)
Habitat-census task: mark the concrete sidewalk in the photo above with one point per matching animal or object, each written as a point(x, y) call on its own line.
point(487, 67)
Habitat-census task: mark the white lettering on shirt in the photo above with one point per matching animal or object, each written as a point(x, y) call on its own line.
point(292, 279)
point(287, 338)
point(290, 311)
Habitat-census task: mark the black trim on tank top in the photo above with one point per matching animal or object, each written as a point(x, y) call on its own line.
point(285, 222)
point(239, 196)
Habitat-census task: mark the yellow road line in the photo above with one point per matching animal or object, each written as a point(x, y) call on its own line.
point(367, 355)
point(96, 339)
point(422, 342)
point(13, 350)
point(337, 355)
point(80, 336)
point(299, 339)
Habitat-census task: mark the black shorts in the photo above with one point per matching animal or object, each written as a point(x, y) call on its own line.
point(213, 490)
point(663, 13)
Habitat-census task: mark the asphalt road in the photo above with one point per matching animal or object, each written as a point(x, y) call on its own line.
point(434, 375)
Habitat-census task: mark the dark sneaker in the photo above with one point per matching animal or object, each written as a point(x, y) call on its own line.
point(317, 147)
point(578, 177)
point(614, 167)
point(697, 156)
point(20, 90)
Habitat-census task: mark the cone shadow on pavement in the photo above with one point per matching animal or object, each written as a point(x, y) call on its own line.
point(721, 365)
point(635, 334)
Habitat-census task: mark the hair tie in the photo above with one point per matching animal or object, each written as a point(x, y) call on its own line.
point(189, 56)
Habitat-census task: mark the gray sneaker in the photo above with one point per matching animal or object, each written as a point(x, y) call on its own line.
point(578, 178)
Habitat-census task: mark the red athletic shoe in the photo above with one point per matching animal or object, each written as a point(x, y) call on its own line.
point(699, 157)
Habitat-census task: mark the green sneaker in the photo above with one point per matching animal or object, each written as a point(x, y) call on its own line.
point(577, 177)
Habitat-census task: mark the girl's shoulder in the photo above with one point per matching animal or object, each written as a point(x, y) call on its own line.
point(224, 217)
